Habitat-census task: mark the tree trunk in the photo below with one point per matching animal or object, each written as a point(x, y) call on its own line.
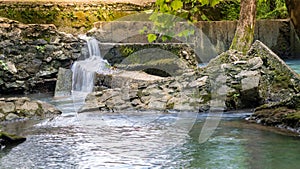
point(294, 12)
point(244, 33)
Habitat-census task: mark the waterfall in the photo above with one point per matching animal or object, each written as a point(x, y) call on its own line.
point(84, 70)
point(83, 77)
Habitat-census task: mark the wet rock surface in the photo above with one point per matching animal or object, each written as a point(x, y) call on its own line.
point(230, 81)
point(15, 108)
point(7, 140)
point(284, 114)
point(33, 53)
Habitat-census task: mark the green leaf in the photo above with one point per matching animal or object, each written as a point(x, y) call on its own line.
point(176, 5)
point(165, 38)
point(204, 2)
point(213, 3)
point(151, 37)
point(159, 2)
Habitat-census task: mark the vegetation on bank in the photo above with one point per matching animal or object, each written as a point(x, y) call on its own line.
point(74, 18)
point(71, 18)
point(216, 10)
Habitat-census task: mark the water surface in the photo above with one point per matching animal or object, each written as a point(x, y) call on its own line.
point(151, 140)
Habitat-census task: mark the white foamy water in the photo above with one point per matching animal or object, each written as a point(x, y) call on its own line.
point(84, 70)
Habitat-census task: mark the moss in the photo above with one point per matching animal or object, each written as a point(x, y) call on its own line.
point(170, 105)
point(127, 50)
point(65, 18)
point(10, 139)
point(140, 93)
point(206, 98)
point(294, 116)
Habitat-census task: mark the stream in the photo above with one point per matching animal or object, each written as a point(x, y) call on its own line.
point(142, 140)
point(146, 140)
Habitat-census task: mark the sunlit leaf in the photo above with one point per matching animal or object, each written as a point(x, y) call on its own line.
point(165, 38)
point(214, 2)
point(204, 2)
point(151, 37)
point(176, 5)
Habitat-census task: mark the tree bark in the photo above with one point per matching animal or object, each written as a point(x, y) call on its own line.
point(244, 33)
point(294, 12)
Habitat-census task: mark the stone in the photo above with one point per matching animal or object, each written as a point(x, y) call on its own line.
point(30, 106)
point(48, 108)
point(250, 82)
point(156, 105)
point(11, 67)
point(7, 107)
point(199, 82)
point(154, 61)
point(255, 63)
point(11, 116)
point(7, 139)
point(245, 73)
point(63, 85)
point(33, 66)
point(2, 116)
point(123, 78)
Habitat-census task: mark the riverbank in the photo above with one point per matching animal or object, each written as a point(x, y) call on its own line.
point(76, 17)
point(138, 2)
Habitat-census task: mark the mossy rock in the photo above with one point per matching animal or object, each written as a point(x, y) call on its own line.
point(7, 139)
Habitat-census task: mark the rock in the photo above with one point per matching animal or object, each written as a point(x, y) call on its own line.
point(255, 63)
point(245, 73)
point(11, 67)
point(29, 106)
point(156, 105)
point(33, 54)
point(7, 139)
point(281, 114)
point(2, 116)
point(123, 78)
point(199, 82)
point(11, 116)
point(48, 108)
point(33, 66)
point(63, 85)
point(21, 108)
point(40, 42)
point(7, 107)
point(154, 61)
point(250, 82)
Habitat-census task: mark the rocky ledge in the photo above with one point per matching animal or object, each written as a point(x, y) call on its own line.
point(23, 108)
point(230, 81)
point(7, 140)
point(283, 114)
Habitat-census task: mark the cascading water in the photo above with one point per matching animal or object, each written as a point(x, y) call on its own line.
point(84, 70)
point(83, 78)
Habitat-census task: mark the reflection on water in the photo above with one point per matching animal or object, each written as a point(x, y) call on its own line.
point(94, 140)
point(294, 64)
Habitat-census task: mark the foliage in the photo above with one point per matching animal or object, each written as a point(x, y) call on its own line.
point(271, 9)
point(40, 49)
point(3, 65)
point(195, 10)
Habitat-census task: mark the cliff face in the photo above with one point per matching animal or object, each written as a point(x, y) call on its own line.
point(33, 53)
